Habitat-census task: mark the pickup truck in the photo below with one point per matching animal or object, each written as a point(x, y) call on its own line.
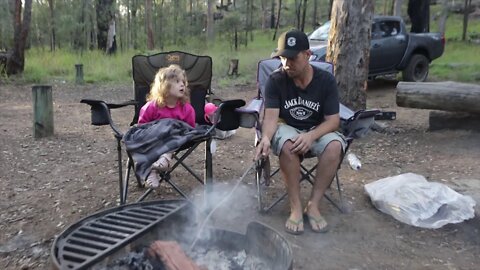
point(392, 48)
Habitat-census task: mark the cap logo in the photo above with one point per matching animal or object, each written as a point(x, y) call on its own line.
point(291, 41)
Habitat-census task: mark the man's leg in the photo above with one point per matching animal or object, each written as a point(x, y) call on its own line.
point(290, 168)
point(328, 162)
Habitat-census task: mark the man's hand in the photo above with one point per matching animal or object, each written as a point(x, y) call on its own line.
point(302, 143)
point(263, 149)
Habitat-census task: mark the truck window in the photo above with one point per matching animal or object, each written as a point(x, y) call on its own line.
point(385, 29)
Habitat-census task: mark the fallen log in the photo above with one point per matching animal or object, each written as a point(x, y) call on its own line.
point(446, 96)
point(438, 120)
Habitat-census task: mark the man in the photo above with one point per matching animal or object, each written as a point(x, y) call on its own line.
point(301, 115)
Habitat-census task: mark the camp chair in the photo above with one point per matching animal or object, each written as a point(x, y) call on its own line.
point(353, 125)
point(199, 75)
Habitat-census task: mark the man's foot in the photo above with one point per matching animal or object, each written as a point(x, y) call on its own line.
point(317, 223)
point(312, 215)
point(293, 226)
point(152, 180)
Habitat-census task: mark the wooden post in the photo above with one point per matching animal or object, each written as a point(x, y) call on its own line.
point(233, 67)
point(42, 111)
point(79, 73)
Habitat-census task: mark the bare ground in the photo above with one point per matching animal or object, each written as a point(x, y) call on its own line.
point(47, 184)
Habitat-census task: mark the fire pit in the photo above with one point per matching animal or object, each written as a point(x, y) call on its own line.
point(107, 237)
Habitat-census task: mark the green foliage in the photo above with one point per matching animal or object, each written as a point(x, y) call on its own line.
point(46, 66)
point(460, 62)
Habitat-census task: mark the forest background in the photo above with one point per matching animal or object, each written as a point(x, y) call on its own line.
point(66, 32)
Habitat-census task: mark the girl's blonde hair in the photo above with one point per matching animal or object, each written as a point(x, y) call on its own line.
point(162, 84)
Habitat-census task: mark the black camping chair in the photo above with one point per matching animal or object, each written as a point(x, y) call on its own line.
point(353, 125)
point(199, 75)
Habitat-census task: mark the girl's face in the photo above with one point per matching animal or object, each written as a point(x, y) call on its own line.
point(177, 87)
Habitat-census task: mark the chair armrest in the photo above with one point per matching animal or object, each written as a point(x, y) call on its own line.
point(93, 102)
point(250, 114)
point(359, 124)
point(226, 116)
point(100, 113)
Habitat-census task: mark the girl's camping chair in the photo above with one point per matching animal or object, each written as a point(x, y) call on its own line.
point(199, 75)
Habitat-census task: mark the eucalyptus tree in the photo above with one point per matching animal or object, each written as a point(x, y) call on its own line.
point(105, 24)
point(21, 28)
point(348, 49)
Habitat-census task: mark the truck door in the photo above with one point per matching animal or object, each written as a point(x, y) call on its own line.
point(387, 46)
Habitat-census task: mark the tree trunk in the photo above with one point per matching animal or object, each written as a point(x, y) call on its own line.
point(272, 15)
point(105, 15)
point(265, 18)
point(298, 8)
point(443, 17)
point(52, 25)
point(348, 49)
point(397, 8)
point(111, 38)
point(419, 13)
point(446, 96)
point(148, 24)
point(304, 15)
point(278, 20)
point(16, 61)
point(210, 21)
point(466, 11)
point(315, 14)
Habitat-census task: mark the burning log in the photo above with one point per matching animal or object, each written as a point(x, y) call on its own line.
point(172, 256)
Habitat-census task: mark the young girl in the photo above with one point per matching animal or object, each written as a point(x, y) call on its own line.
point(168, 98)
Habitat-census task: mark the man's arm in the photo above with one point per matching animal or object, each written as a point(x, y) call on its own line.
point(269, 126)
point(303, 142)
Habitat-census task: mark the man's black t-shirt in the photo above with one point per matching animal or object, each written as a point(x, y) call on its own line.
point(302, 108)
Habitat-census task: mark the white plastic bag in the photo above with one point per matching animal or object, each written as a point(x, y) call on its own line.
point(411, 199)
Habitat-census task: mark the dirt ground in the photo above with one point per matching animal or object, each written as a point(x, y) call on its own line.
point(48, 184)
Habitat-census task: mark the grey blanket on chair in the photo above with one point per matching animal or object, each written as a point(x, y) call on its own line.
point(147, 142)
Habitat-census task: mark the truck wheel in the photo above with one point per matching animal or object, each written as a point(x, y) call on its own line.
point(417, 69)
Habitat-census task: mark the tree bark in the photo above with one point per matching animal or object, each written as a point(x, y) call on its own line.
point(348, 49)
point(304, 13)
point(315, 14)
point(446, 96)
point(443, 17)
point(16, 61)
point(419, 13)
point(52, 25)
point(111, 38)
point(105, 15)
point(466, 11)
point(397, 8)
point(278, 20)
point(210, 21)
point(148, 24)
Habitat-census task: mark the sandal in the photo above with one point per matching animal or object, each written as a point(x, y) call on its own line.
point(296, 223)
point(163, 163)
point(319, 221)
point(152, 180)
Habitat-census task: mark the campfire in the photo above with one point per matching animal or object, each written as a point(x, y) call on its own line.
point(158, 235)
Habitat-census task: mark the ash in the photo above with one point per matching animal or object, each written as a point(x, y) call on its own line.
point(134, 261)
point(216, 259)
point(212, 258)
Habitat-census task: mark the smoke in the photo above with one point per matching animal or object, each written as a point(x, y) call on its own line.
point(230, 205)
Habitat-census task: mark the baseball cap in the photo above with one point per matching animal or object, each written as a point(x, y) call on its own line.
point(290, 43)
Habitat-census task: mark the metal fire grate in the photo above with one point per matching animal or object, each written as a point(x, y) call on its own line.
point(91, 239)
